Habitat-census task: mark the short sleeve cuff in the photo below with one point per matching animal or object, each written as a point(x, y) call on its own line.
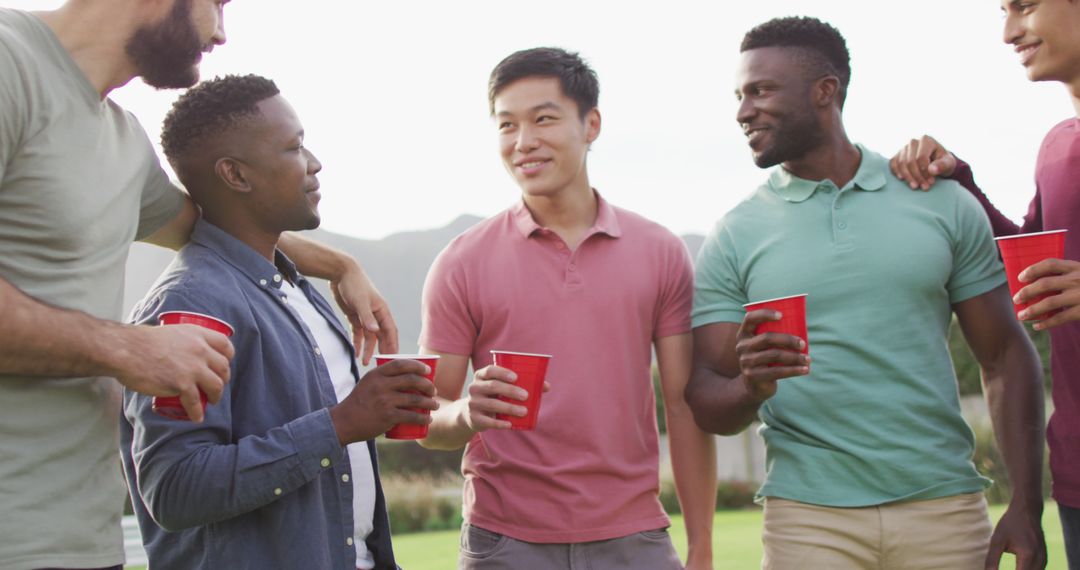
point(971, 290)
point(717, 316)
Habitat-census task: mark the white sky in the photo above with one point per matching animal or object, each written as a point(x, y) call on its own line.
point(393, 96)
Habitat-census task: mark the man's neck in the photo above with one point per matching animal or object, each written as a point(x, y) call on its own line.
point(264, 243)
point(95, 35)
point(569, 213)
point(837, 160)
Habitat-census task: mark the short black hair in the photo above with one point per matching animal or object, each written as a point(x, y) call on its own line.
point(577, 80)
point(821, 45)
point(209, 109)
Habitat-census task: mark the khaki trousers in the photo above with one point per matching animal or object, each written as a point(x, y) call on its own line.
point(951, 533)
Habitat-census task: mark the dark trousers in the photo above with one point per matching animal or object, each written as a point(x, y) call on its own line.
point(1070, 527)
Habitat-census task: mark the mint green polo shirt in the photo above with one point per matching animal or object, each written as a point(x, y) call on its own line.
point(878, 418)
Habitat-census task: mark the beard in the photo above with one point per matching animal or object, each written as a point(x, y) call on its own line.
point(166, 54)
point(794, 137)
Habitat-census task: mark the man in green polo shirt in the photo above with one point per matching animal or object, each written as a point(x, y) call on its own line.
point(868, 458)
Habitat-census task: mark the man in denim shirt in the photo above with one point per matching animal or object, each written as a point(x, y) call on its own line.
point(282, 473)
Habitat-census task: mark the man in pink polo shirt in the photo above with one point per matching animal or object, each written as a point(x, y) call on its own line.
point(563, 272)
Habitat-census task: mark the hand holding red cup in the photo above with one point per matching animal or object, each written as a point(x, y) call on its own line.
point(1020, 252)
point(771, 349)
point(170, 406)
point(530, 370)
point(411, 431)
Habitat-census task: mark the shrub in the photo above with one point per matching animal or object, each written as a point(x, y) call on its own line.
point(407, 457)
point(421, 502)
point(730, 495)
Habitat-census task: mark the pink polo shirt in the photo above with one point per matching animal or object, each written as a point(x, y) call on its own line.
point(590, 469)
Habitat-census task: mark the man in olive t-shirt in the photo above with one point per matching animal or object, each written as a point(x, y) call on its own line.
point(78, 182)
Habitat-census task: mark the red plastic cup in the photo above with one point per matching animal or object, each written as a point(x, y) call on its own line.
point(792, 321)
point(530, 370)
point(410, 431)
point(1022, 251)
point(170, 406)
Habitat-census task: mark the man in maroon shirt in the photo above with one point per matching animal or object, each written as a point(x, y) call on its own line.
point(1046, 34)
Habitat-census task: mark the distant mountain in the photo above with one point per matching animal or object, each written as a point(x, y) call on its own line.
point(398, 264)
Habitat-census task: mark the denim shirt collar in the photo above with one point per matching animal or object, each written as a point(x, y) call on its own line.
point(870, 177)
point(245, 259)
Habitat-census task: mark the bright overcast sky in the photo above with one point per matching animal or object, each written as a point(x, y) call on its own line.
point(393, 96)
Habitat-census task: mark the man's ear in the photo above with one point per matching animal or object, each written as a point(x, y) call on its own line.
point(826, 91)
point(592, 125)
point(231, 172)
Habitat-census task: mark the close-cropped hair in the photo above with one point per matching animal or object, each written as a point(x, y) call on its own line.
point(577, 80)
point(822, 48)
point(209, 109)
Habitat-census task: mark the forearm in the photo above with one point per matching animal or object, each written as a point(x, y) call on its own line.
point(449, 427)
point(1014, 393)
point(693, 460)
point(315, 259)
point(41, 340)
point(720, 404)
point(187, 483)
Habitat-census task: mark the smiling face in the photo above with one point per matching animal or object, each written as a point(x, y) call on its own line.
point(775, 108)
point(167, 53)
point(1046, 34)
point(543, 139)
point(281, 171)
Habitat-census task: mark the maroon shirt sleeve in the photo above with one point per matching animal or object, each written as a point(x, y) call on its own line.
point(1001, 224)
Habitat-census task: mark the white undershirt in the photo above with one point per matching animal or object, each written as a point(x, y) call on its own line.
point(339, 364)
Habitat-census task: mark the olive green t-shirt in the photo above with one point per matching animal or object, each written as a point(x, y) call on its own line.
point(79, 182)
point(878, 418)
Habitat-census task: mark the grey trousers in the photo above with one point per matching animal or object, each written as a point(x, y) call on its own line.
point(485, 550)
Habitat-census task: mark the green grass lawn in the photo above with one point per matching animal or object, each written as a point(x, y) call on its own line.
point(736, 543)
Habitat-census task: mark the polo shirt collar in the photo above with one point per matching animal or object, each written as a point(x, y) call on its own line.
point(870, 177)
point(245, 259)
point(606, 220)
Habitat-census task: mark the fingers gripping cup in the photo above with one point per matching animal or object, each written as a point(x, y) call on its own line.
point(530, 370)
point(792, 321)
point(170, 406)
point(1022, 251)
point(410, 431)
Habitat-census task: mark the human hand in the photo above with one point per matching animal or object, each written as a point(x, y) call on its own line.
point(921, 161)
point(766, 358)
point(1059, 278)
point(367, 311)
point(382, 399)
point(488, 385)
point(1020, 533)
point(177, 360)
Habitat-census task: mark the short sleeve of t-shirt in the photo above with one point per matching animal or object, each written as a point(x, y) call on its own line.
point(11, 108)
point(976, 267)
point(676, 293)
point(719, 294)
point(161, 201)
point(447, 324)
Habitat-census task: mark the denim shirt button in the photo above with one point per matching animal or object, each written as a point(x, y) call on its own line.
point(325, 462)
point(277, 491)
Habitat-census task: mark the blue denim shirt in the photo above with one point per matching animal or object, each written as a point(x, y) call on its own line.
point(261, 483)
